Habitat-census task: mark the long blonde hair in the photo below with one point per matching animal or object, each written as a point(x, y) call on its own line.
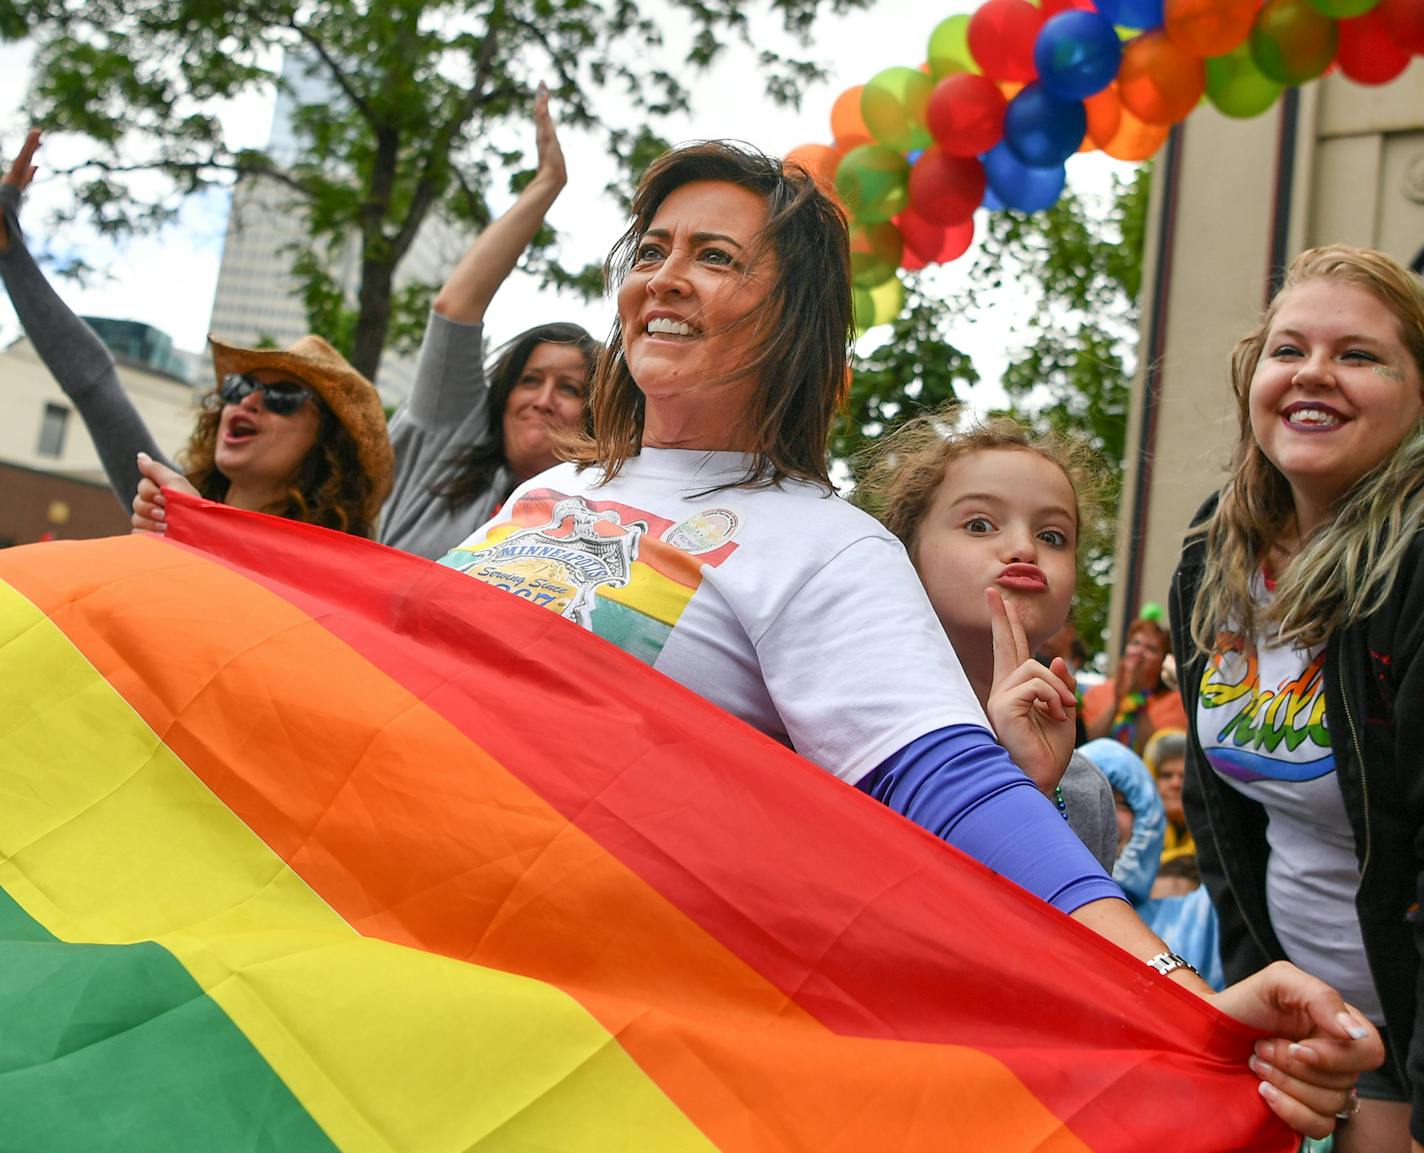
point(1344, 569)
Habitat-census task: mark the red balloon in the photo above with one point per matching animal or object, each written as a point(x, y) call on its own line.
point(1158, 82)
point(1001, 39)
point(1051, 8)
point(965, 114)
point(933, 243)
point(1405, 21)
point(946, 189)
point(1367, 52)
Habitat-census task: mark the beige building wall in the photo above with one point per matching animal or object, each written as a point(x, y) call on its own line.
point(1233, 201)
point(31, 398)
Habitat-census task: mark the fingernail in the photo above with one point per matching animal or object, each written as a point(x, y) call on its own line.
point(143, 456)
point(158, 514)
point(1269, 1091)
point(1351, 1026)
point(1261, 1068)
point(1303, 1052)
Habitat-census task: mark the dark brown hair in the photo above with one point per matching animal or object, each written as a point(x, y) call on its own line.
point(801, 358)
point(477, 465)
point(330, 488)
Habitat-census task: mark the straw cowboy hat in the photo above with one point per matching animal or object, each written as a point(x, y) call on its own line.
point(350, 396)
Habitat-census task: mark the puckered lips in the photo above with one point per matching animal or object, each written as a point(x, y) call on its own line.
point(1026, 578)
point(1312, 416)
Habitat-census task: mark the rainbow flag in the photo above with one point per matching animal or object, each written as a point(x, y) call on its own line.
point(309, 844)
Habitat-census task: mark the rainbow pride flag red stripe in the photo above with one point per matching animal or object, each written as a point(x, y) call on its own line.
point(309, 844)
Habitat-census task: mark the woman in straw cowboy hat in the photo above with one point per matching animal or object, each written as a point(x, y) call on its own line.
point(296, 432)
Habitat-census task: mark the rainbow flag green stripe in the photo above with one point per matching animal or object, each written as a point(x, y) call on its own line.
point(78, 1014)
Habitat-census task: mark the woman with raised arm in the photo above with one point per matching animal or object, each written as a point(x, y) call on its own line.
point(467, 436)
point(295, 432)
point(697, 528)
point(1298, 609)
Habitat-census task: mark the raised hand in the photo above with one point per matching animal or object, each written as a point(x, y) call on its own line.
point(1032, 709)
point(22, 170)
point(150, 511)
point(550, 168)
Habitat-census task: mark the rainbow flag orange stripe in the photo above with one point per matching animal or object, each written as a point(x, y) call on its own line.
point(305, 843)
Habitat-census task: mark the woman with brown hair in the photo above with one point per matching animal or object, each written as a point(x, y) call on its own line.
point(697, 528)
point(467, 435)
point(298, 432)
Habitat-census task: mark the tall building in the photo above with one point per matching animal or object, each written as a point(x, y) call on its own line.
point(1233, 202)
point(257, 299)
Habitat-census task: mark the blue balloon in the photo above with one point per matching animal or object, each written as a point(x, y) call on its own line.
point(1143, 14)
point(991, 202)
point(1019, 185)
point(1077, 53)
point(1041, 129)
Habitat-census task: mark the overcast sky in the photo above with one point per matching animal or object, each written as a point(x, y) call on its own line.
point(168, 280)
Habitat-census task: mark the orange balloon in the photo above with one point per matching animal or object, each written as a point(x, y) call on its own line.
point(1011, 88)
point(819, 161)
point(1135, 140)
point(1104, 114)
point(1208, 27)
point(1089, 144)
point(1158, 82)
point(846, 120)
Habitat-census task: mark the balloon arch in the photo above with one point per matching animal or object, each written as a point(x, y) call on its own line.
point(1010, 92)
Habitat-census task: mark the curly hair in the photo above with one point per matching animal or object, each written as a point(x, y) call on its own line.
point(331, 489)
point(901, 473)
point(475, 467)
point(802, 353)
point(1344, 569)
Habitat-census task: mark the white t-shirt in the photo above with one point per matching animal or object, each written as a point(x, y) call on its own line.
point(1261, 720)
point(789, 608)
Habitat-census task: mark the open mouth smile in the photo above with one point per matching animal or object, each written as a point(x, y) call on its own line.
point(1307, 417)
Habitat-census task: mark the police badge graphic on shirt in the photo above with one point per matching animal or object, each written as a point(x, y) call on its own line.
point(561, 563)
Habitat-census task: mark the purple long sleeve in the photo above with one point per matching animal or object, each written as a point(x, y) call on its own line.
point(962, 787)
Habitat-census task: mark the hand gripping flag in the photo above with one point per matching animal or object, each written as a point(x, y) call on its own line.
point(309, 844)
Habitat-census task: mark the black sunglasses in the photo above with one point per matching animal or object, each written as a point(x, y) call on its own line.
point(282, 398)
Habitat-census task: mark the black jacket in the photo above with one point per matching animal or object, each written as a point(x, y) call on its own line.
point(1374, 709)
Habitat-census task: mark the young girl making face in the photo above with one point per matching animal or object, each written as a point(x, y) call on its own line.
point(991, 516)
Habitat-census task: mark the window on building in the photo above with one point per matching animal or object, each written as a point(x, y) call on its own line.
point(52, 429)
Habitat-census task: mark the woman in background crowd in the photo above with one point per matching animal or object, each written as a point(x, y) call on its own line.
point(297, 432)
point(465, 438)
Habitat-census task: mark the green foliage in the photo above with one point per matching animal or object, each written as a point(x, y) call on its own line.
point(916, 369)
point(409, 101)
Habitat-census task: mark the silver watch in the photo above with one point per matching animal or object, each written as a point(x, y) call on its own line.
point(1166, 963)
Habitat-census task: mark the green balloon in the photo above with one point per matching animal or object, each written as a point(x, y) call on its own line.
point(892, 104)
point(875, 253)
point(1293, 41)
point(872, 182)
point(1235, 85)
point(949, 48)
point(878, 305)
point(1345, 9)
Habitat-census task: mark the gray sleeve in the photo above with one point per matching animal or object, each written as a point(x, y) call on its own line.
point(1088, 798)
point(448, 409)
point(77, 359)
